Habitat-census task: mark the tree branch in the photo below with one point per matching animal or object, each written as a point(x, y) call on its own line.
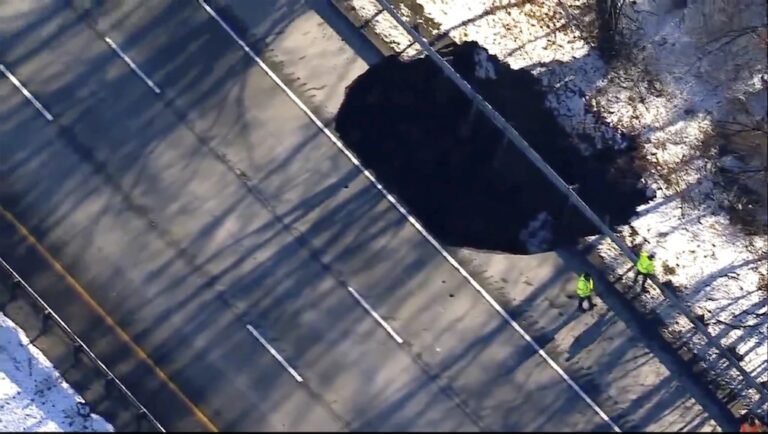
point(737, 33)
point(744, 127)
point(741, 326)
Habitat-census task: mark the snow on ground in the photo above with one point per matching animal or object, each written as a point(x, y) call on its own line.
point(33, 395)
point(669, 95)
point(538, 235)
point(483, 67)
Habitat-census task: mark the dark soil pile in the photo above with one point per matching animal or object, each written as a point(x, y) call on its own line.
point(414, 129)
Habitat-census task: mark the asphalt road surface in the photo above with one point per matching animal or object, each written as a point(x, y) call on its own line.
point(242, 263)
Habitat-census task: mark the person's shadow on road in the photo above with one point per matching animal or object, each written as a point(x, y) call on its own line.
point(589, 336)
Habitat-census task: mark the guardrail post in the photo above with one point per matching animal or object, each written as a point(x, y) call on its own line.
point(16, 285)
point(77, 349)
point(109, 383)
point(45, 320)
point(499, 151)
point(141, 415)
point(569, 206)
point(466, 128)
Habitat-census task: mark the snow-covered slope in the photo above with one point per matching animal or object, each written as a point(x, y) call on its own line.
point(33, 395)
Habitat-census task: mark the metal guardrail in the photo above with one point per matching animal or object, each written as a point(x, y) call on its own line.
point(48, 313)
point(525, 148)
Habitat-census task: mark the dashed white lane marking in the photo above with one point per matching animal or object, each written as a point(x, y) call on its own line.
point(131, 64)
point(412, 220)
point(375, 315)
point(26, 93)
point(275, 353)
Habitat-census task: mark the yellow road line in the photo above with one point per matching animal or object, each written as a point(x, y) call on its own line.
point(101, 313)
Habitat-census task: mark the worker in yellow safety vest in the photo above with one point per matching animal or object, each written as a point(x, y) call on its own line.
point(643, 267)
point(752, 425)
point(584, 288)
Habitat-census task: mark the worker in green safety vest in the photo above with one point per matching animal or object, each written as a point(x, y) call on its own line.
point(643, 267)
point(584, 288)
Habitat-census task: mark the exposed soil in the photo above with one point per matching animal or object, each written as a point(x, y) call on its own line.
point(415, 130)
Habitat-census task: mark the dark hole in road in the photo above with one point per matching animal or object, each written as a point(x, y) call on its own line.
point(416, 131)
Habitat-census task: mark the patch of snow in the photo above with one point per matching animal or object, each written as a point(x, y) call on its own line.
point(538, 236)
point(368, 11)
point(569, 88)
point(521, 33)
point(33, 395)
point(705, 257)
point(483, 67)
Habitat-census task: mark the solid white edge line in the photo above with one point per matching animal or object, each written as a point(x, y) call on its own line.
point(375, 315)
point(274, 353)
point(131, 64)
point(26, 93)
point(411, 219)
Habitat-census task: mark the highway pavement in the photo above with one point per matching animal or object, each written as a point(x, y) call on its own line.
point(231, 249)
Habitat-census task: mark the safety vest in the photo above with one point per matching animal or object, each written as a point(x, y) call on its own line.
point(644, 264)
point(745, 427)
point(584, 286)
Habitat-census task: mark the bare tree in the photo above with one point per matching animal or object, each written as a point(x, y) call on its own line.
point(608, 25)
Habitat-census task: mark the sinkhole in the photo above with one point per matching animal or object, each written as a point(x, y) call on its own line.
point(452, 169)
